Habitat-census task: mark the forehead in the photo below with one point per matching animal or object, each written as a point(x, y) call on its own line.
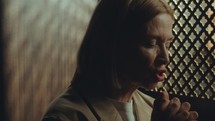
point(160, 25)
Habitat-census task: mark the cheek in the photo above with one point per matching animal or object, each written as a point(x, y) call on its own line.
point(148, 55)
point(135, 64)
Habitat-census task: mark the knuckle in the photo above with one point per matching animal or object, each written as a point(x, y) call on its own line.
point(175, 99)
point(194, 115)
point(185, 114)
point(165, 100)
point(186, 105)
point(174, 105)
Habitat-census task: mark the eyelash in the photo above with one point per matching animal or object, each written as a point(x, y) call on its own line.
point(153, 43)
point(167, 45)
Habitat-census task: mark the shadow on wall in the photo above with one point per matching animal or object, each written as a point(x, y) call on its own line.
point(41, 41)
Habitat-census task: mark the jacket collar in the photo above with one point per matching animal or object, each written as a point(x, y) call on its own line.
point(107, 112)
point(143, 106)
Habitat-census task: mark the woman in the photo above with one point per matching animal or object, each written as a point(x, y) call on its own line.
point(125, 48)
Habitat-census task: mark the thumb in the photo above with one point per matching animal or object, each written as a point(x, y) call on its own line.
point(162, 101)
point(160, 104)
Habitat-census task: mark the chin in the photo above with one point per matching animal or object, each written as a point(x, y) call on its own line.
point(153, 85)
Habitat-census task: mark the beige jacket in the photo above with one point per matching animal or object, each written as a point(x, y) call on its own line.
point(72, 107)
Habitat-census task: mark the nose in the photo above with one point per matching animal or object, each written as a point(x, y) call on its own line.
point(163, 55)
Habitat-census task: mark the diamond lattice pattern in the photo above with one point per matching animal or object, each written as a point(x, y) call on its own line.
point(192, 54)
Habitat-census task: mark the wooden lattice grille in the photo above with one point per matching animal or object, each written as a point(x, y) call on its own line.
point(192, 54)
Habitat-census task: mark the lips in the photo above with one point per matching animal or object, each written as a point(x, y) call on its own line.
point(160, 75)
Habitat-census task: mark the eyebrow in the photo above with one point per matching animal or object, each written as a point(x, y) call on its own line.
point(160, 38)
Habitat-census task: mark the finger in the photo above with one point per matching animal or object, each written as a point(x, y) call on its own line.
point(160, 105)
point(162, 101)
point(185, 106)
point(193, 115)
point(173, 107)
point(182, 116)
point(184, 112)
point(165, 98)
point(165, 95)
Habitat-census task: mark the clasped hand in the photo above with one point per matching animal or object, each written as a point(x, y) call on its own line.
point(172, 110)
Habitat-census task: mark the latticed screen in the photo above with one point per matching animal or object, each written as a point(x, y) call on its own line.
point(192, 54)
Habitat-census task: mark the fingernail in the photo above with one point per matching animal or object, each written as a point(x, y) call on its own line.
point(175, 99)
point(195, 115)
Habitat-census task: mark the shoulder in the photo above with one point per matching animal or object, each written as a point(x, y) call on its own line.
point(67, 107)
point(60, 116)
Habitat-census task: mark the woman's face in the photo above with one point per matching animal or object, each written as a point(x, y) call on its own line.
point(144, 61)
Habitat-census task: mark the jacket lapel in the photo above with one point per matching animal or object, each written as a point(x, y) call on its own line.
point(143, 106)
point(106, 110)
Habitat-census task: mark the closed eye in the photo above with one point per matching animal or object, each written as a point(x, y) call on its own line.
point(150, 43)
point(167, 44)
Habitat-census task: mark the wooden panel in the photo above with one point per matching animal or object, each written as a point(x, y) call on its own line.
point(41, 41)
